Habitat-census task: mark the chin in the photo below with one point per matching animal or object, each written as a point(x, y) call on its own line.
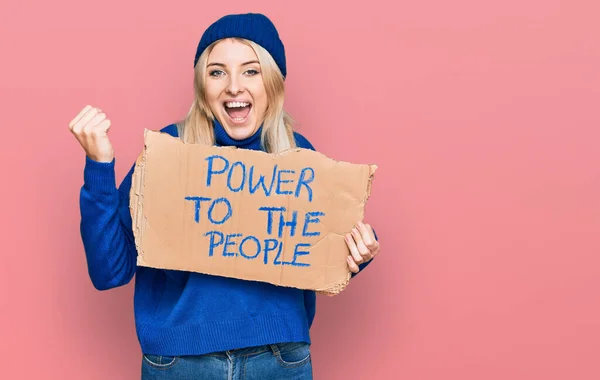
point(240, 132)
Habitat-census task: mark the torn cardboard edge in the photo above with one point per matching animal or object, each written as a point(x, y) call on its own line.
point(140, 221)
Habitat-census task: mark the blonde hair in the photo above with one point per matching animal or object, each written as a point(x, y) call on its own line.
point(277, 132)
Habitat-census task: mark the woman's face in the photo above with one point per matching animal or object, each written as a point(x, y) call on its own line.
point(234, 88)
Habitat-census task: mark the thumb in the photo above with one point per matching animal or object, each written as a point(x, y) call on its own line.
point(104, 126)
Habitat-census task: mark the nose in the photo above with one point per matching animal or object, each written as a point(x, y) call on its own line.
point(235, 85)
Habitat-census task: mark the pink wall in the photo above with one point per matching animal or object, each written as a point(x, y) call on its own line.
point(483, 117)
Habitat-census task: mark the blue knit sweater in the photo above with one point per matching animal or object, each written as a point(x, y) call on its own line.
point(177, 312)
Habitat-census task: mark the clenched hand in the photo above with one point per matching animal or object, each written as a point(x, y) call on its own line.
point(90, 128)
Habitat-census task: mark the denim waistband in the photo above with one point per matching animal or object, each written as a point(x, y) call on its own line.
point(249, 351)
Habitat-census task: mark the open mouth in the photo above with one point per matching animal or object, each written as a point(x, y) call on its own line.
point(238, 111)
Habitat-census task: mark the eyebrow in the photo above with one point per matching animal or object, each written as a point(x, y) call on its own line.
point(223, 65)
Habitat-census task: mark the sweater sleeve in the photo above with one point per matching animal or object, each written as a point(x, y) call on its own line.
point(106, 226)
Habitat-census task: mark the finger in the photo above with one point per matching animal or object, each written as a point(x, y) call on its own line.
point(104, 126)
point(365, 234)
point(83, 122)
point(85, 119)
point(368, 237)
point(91, 127)
point(353, 249)
point(79, 115)
point(360, 245)
point(352, 265)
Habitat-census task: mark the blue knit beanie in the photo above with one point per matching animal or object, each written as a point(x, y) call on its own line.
point(255, 27)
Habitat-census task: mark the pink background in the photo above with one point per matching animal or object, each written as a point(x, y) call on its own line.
point(483, 117)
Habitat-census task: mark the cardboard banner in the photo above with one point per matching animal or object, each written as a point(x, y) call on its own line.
point(277, 218)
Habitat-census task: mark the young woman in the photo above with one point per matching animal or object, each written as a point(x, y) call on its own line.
point(192, 325)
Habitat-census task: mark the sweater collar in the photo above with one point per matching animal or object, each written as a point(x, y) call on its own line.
point(223, 139)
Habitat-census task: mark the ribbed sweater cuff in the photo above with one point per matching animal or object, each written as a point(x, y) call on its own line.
point(99, 177)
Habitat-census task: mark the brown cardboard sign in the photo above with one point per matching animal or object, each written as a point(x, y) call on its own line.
point(277, 218)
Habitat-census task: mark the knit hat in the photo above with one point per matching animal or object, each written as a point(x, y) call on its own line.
point(255, 27)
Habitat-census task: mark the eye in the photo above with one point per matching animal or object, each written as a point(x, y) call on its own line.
point(252, 72)
point(216, 73)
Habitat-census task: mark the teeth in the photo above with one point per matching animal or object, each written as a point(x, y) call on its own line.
point(236, 104)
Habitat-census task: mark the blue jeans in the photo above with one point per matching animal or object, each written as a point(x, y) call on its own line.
point(272, 362)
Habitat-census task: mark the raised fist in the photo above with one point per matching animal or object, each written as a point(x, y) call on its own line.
point(90, 128)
